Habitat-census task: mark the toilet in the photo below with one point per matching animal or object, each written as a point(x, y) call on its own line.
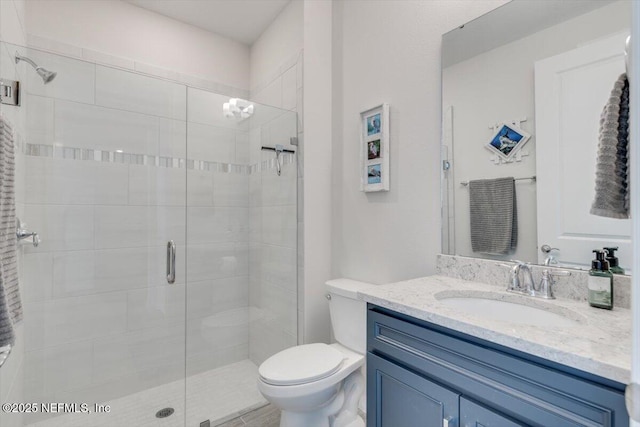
point(320, 385)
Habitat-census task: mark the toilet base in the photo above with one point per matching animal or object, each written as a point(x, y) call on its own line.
point(341, 412)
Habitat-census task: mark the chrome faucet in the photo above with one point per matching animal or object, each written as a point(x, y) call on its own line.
point(526, 285)
point(545, 290)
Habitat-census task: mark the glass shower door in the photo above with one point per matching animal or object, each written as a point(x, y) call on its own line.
point(104, 185)
point(242, 291)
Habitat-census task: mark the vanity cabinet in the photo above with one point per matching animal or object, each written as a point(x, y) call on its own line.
point(423, 375)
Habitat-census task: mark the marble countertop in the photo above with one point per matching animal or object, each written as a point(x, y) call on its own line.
point(598, 341)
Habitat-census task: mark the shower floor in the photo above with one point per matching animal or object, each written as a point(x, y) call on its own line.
point(217, 395)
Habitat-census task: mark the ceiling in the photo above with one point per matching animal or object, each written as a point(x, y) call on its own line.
point(240, 20)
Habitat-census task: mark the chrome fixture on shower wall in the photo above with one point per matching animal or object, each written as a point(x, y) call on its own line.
point(10, 89)
point(237, 108)
point(47, 76)
point(279, 149)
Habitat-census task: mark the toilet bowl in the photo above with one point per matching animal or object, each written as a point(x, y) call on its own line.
point(320, 385)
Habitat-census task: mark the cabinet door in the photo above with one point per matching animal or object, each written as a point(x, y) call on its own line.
point(402, 398)
point(475, 415)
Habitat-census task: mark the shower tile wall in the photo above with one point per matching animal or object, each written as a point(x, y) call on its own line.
point(101, 320)
point(274, 256)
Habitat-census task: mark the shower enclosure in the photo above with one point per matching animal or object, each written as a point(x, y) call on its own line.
point(167, 268)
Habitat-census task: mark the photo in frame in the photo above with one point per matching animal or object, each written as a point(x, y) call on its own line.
point(507, 140)
point(374, 149)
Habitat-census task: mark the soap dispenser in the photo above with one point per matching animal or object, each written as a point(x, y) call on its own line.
point(614, 263)
point(600, 282)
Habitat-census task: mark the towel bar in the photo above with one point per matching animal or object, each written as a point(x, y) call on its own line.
point(532, 178)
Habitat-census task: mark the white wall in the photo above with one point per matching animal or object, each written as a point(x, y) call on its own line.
point(318, 124)
point(392, 54)
point(120, 29)
point(476, 81)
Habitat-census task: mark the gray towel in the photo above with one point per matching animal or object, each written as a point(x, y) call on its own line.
point(494, 215)
point(10, 303)
point(612, 166)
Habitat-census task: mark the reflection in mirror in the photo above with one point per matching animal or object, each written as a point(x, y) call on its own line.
point(544, 69)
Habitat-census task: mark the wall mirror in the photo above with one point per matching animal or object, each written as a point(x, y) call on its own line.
point(545, 69)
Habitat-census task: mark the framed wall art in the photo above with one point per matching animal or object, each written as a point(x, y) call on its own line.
point(374, 149)
point(507, 140)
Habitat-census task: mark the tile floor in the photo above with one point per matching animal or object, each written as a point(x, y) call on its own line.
point(221, 395)
point(267, 416)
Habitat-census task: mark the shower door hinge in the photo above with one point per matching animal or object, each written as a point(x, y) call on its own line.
point(10, 92)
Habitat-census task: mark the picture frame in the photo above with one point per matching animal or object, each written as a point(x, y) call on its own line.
point(374, 149)
point(507, 140)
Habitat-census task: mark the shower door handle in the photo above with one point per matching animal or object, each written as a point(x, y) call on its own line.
point(171, 262)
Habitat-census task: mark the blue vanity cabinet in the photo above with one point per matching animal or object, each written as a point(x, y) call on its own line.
point(410, 400)
point(475, 415)
point(421, 374)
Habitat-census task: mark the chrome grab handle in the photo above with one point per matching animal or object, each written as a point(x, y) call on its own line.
point(171, 262)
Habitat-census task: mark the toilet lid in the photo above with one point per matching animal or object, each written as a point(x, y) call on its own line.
point(301, 364)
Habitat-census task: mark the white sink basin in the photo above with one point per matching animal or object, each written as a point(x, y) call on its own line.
point(509, 309)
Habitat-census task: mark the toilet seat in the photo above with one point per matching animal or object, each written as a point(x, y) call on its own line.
point(301, 365)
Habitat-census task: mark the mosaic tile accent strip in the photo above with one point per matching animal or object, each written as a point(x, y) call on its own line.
point(121, 157)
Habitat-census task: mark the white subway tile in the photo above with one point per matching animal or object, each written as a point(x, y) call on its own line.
point(215, 225)
point(211, 143)
point(230, 189)
point(37, 277)
point(173, 138)
point(75, 79)
point(141, 355)
point(138, 226)
point(215, 261)
point(280, 130)
point(58, 181)
point(299, 72)
point(61, 367)
point(129, 91)
point(271, 94)
point(289, 89)
point(157, 306)
point(242, 147)
point(61, 321)
point(92, 272)
point(61, 227)
point(199, 188)
point(279, 225)
point(206, 108)
point(150, 185)
point(84, 126)
point(279, 267)
point(40, 119)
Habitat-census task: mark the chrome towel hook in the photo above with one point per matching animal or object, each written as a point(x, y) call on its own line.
point(22, 233)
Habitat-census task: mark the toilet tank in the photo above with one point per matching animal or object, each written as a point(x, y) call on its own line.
point(348, 314)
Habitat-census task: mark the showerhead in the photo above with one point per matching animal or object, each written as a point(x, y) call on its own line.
point(46, 75)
